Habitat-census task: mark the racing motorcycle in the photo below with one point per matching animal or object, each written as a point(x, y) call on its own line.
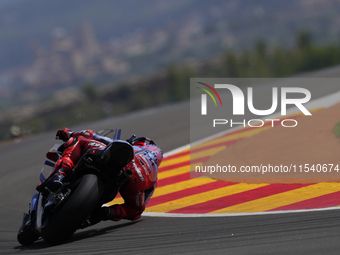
point(96, 180)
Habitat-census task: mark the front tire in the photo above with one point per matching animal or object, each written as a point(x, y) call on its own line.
point(73, 213)
point(26, 235)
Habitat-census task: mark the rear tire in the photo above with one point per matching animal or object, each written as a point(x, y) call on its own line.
point(79, 205)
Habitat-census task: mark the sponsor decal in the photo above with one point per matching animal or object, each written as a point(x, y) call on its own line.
point(94, 144)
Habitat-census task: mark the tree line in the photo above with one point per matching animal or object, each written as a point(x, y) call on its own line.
point(172, 84)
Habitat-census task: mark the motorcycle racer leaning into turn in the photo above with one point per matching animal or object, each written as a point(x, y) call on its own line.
point(136, 192)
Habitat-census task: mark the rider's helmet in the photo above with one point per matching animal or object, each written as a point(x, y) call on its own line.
point(153, 152)
point(149, 149)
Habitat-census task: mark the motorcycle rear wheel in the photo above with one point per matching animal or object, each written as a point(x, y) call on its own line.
point(62, 224)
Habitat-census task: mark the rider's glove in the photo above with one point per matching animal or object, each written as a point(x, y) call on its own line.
point(64, 134)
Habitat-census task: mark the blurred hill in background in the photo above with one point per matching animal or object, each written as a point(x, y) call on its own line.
point(100, 58)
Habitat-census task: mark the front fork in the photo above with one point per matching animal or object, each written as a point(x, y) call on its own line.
point(30, 218)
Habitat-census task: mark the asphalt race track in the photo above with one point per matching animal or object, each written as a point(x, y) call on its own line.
point(315, 232)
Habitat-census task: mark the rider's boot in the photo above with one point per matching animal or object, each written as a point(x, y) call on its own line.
point(56, 179)
point(54, 182)
point(103, 214)
point(114, 213)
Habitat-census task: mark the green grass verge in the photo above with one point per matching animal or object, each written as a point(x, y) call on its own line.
point(336, 129)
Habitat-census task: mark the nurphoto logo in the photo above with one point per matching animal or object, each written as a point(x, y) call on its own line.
point(204, 97)
point(239, 104)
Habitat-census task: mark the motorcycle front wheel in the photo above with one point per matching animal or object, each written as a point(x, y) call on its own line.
point(26, 235)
